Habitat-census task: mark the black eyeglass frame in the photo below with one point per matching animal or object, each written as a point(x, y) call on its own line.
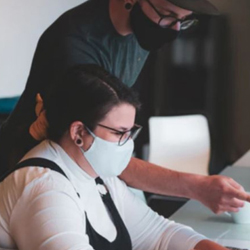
point(134, 131)
point(185, 23)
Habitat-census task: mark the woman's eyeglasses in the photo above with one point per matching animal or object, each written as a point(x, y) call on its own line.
point(168, 21)
point(125, 135)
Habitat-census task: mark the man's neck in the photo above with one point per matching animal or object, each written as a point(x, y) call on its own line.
point(119, 17)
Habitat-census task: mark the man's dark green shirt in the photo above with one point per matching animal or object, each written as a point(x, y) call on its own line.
point(84, 34)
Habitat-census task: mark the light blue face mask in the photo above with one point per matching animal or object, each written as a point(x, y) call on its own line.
point(108, 159)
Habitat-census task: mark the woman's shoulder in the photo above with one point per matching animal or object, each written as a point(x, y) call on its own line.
point(35, 178)
point(28, 184)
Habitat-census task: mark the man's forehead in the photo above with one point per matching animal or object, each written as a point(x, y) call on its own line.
point(173, 9)
point(198, 6)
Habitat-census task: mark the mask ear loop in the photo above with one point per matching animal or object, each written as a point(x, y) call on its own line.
point(90, 132)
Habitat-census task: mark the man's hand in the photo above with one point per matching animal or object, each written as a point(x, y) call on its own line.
point(221, 193)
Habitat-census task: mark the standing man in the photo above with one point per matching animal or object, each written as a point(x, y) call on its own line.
point(117, 35)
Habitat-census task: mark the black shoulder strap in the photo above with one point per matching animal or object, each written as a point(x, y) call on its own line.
point(41, 162)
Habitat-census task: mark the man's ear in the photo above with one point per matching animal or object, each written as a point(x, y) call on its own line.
point(76, 132)
point(128, 4)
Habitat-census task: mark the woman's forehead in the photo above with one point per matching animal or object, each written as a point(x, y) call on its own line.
point(122, 115)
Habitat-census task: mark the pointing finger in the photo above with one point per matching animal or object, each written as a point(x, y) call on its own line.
point(235, 184)
point(242, 195)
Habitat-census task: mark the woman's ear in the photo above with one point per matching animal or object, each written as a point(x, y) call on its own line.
point(77, 132)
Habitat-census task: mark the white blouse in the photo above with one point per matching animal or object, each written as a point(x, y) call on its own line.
point(40, 209)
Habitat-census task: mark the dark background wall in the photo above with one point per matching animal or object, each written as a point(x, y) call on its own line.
point(206, 70)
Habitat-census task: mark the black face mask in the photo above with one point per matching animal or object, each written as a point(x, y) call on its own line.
point(150, 35)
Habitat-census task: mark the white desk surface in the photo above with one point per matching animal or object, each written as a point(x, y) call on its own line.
point(213, 226)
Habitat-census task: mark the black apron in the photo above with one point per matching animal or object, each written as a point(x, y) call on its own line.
point(122, 240)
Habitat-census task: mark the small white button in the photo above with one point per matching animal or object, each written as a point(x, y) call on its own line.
point(102, 189)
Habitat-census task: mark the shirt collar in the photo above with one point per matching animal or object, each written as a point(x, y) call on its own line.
point(69, 166)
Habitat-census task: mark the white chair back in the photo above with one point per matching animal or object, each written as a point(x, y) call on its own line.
point(181, 143)
point(243, 161)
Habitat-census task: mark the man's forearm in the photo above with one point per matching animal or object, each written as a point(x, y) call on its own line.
point(155, 179)
point(209, 245)
point(224, 193)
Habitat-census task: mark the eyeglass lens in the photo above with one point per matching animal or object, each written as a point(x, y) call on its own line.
point(124, 138)
point(171, 21)
point(133, 133)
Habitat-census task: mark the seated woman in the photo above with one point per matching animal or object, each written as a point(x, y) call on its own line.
point(55, 198)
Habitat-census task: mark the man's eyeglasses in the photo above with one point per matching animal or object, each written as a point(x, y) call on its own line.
point(125, 135)
point(168, 21)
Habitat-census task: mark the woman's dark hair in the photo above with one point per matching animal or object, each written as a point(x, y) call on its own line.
point(86, 93)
